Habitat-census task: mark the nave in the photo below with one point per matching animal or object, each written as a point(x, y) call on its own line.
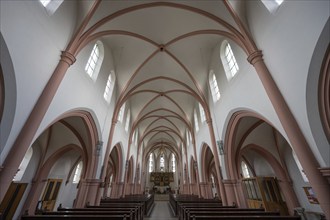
point(105, 104)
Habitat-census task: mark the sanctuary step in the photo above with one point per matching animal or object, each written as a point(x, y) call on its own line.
point(161, 197)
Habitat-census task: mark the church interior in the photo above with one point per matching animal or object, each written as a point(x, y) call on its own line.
point(199, 108)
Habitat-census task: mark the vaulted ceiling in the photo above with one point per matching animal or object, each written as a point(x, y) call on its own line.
point(161, 53)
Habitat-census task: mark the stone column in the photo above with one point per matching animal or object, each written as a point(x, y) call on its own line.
point(92, 186)
point(240, 194)
point(34, 195)
point(297, 140)
point(106, 159)
point(289, 195)
point(25, 137)
point(217, 163)
point(231, 188)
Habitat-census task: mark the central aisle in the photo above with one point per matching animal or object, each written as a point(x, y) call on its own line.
point(161, 211)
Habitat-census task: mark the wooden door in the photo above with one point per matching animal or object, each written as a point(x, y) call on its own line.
point(264, 192)
point(272, 195)
point(252, 192)
point(11, 200)
point(50, 194)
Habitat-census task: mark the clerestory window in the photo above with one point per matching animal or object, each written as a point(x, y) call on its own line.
point(245, 170)
point(196, 121)
point(77, 173)
point(121, 113)
point(173, 163)
point(151, 163)
point(128, 117)
point(109, 87)
point(202, 113)
point(95, 59)
point(214, 87)
point(228, 60)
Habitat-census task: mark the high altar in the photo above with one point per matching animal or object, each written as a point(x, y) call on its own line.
point(161, 178)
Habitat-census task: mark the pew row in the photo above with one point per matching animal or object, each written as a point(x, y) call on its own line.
point(245, 217)
point(184, 210)
point(75, 217)
point(176, 200)
point(135, 210)
point(146, 200)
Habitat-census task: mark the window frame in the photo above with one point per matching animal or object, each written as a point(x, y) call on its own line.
point(151, 163)
point(95, 60)
point(109, 87)
point(77, 173)
point(202, 113)
point(228, 60)
point(162, 162)
point(173, 162)
point(121, 113)
point(128, 118)
point(245, 170)
point(196, 121)
point(214, 87)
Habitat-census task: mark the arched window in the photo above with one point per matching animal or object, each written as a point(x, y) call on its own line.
point(202, 113)
point(22, 167)
point(77, 173)
point(162, 163)
point(109, 87)
point(214, 87)
point(228, 60)
point(173, 163)
point(272, 5)
point(136, 137)
point(303, 175)
point(151, 163)
point(128, 117)
point(245, 170)
point(95, 59)
point(187, 137)
point(196, 121)
point(121, 113)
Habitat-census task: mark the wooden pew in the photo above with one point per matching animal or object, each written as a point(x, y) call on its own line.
point(185, 209)
point(75, 217)
point(115, 206)
point(111, 213)
point(135, 211)
point(191, 213)
point(184, 206)
point(176, 200)
point(245, 217)
point(147, 200)
point(132, 216)
point(139, 206)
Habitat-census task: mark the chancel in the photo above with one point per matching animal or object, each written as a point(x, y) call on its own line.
point(144, 109)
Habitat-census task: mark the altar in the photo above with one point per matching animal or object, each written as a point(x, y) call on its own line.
point(161, 179)
point(161, 189)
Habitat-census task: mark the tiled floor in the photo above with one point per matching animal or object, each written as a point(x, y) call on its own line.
point(161, 211)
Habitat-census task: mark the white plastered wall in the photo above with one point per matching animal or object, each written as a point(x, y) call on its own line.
point(34, 44)
point(287, 39)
